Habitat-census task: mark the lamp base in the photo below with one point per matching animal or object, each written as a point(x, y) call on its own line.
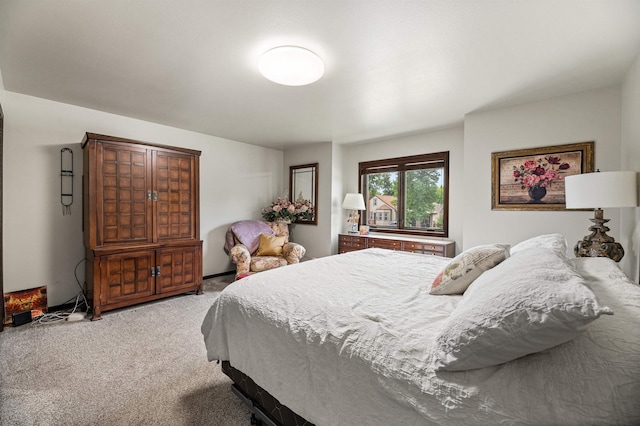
point(599, 244)
point(354, 220)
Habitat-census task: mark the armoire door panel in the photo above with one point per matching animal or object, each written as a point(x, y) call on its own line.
point(123, 178)
point(174, 210)
point(179, 268)
point(127, 276)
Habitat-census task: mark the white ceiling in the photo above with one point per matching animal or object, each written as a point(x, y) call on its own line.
point(392, 67)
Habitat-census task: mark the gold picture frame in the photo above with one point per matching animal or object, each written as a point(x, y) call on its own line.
point(533, 179)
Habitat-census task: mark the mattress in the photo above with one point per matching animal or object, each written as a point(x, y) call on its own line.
point(347, 339)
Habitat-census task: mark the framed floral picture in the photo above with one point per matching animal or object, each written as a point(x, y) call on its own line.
point(533, 179)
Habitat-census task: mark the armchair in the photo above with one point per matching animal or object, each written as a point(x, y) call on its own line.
point(243, 245)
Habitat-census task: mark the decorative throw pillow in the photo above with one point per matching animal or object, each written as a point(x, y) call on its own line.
point(554, 242)
point(270, 245)
point(466, 267)
point(530, 302)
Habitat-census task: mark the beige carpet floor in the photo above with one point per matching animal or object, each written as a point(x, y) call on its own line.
point(143, 365)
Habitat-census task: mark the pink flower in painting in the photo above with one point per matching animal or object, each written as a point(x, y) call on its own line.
point(530, 165)
point(530, 180)
point(552, 175)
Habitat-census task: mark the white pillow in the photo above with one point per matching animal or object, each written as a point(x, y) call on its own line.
point(530, 302)
point(463, 269)
point(554, 242)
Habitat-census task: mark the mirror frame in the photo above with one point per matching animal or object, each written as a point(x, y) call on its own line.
point(314, 196)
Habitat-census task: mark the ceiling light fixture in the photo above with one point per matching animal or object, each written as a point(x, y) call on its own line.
point(291, 66)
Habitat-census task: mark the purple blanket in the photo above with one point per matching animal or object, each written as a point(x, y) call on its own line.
point(247, 232)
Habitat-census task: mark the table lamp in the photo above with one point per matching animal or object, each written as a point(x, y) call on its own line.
point(596, 191)
point(354, 202)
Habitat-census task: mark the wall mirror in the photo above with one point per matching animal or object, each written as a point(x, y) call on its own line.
point(303, 184)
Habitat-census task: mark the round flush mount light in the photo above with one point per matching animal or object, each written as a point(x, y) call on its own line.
point(291, 66)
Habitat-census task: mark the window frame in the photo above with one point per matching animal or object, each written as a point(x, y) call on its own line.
point(401, 165)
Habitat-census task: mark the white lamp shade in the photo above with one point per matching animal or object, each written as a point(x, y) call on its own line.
point(353, 202)
point(601, 190)
point(291, 66)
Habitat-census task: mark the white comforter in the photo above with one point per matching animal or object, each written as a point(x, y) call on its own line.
point(345, 340)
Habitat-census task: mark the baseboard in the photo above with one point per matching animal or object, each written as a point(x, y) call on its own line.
point(222, 274)
point(66, 306)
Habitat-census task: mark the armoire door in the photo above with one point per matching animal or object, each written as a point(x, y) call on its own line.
point(178, 268)
point(127, 276)
point(124, 213)
point(176, 192)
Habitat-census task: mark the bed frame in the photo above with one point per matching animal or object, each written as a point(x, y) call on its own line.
point(266, 410)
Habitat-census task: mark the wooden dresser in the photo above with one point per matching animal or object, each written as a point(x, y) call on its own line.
point(348, 242)
point(141, 221)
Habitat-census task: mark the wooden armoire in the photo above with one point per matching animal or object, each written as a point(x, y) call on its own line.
point(141, 221)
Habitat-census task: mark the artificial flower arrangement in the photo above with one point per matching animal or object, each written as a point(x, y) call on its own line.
point(289, 211)
point(539, 173)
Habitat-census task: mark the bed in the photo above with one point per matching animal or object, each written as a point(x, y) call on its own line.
point(360, 338)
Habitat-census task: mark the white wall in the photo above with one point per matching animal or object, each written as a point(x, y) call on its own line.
point(1, 88)
point(337, 194)
point(42, 247)
point(630, 222)
point(437, 141)
point(314, 238)
point(586, 116)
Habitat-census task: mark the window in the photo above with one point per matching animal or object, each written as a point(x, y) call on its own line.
point(407, 194)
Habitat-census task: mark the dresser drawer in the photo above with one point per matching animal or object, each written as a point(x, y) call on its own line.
point(435, 248)
point(352, 241)
point(348, 243)
point(357, 245)
point(385, 243)
point(439, 252)
point(412, 246)
point(428, 248)
point(343, 249)
point(418, 246)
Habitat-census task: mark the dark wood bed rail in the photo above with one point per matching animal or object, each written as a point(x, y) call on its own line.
point(267, 410)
